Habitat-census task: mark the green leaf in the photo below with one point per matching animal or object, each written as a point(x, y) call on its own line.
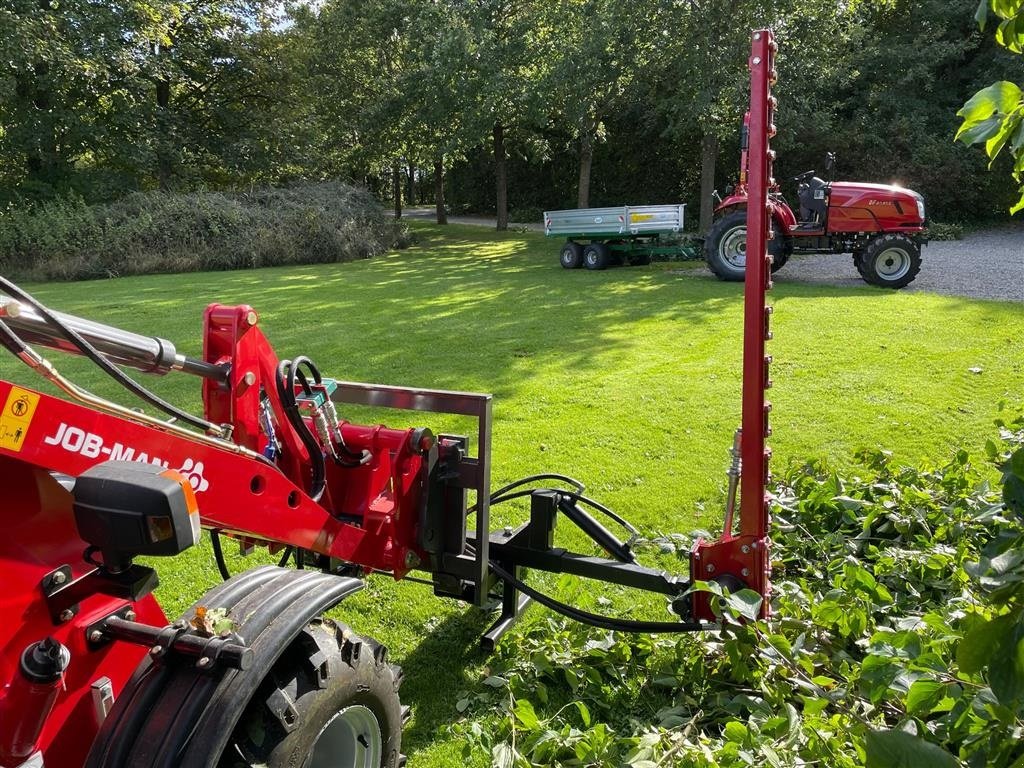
point(981, 15)
point(1006, 668)
point(1010, 33)
point(525, 714)
point(923, 696)
point(975, 649)
point(746, 602)
point(502, 756)
point(1000, 97)
point(899, 749)
point(975, 133)
point(1019, 205)
point(735, 731)
point(584, 713)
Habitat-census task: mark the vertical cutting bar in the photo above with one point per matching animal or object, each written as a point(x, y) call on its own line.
point(753, 491)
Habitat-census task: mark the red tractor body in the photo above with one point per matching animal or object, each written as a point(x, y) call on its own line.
point(882, 225)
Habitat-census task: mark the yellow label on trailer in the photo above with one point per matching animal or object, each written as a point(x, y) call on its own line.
point(635, 217)
point(16, 417)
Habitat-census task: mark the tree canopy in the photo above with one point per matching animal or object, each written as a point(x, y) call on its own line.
point(500, 105)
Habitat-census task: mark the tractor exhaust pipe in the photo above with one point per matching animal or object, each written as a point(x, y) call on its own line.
point(149, 354)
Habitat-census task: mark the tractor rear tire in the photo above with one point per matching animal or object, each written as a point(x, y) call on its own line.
point(596, 256)
point(571, 256)
point(725, 248)
point(890, 260)
point(330, 700)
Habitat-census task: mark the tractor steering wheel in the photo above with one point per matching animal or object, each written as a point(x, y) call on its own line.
point(805, 176)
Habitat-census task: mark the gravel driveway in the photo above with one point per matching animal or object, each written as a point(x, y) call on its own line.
point(984, 265)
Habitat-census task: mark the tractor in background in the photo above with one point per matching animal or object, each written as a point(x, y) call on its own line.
point(882, 226)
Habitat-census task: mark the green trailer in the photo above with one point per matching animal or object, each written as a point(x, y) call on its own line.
point(596, 238)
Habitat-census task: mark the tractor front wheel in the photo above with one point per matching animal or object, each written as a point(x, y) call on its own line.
point(890, 260)
point(330, 700)
point(725, 248)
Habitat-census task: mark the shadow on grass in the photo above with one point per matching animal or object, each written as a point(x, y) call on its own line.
point(436, 673)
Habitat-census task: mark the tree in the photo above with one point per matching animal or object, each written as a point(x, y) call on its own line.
point(995, 115)
point(597, 49)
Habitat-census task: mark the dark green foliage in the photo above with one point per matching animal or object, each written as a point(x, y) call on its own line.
point(897, 641)
point(143, 233)
point(994, 116)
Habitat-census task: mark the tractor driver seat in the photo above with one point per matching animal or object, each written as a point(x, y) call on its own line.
point(813, 196)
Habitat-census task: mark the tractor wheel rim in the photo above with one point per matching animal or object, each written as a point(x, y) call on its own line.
point(892, 263)
point(351, 739)
point(734, 247)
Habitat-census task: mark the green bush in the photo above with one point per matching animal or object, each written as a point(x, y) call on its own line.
point(529, 214)
point(151, 232)
point(939, 231)
point(896, 640)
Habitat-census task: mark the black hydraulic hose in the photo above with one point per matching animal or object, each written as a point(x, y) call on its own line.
point(497, 498)
point(286, 393)
point(89, 351)
point(534, 478)
point(218, 555)
point(595, 619)
point(353, 459)
point(222, 566)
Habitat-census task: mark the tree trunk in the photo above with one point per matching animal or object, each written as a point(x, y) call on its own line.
point(708, 157)
point(442, 217)
point(411, 199)
point(396, 185)
point(586, 161)
point(164, 160)
point(501, 177)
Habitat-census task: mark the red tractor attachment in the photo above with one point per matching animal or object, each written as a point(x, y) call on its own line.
point(253, 674)
point(883, 226)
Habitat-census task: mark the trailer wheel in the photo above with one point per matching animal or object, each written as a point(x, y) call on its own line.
point(641, 260)
point(891, 260)
point(571, 256)
point(331, 700)
point(595, 256)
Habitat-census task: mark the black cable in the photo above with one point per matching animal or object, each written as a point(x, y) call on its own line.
point(284, 557)
point(89, 351)
point(594, 619)
point(222, 566)
point(286, 394)
point(534, 478)
point(495, 499)
point(218, 555)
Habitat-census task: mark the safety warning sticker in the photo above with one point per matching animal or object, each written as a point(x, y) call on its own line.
point(16, 417)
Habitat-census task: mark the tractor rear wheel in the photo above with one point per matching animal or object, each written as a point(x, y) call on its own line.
point(571, 256)
point(595, 256)
point(725, 249)
point(891, 260)
point(331, 700)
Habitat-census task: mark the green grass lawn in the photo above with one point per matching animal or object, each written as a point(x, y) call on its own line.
point(626, 379)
